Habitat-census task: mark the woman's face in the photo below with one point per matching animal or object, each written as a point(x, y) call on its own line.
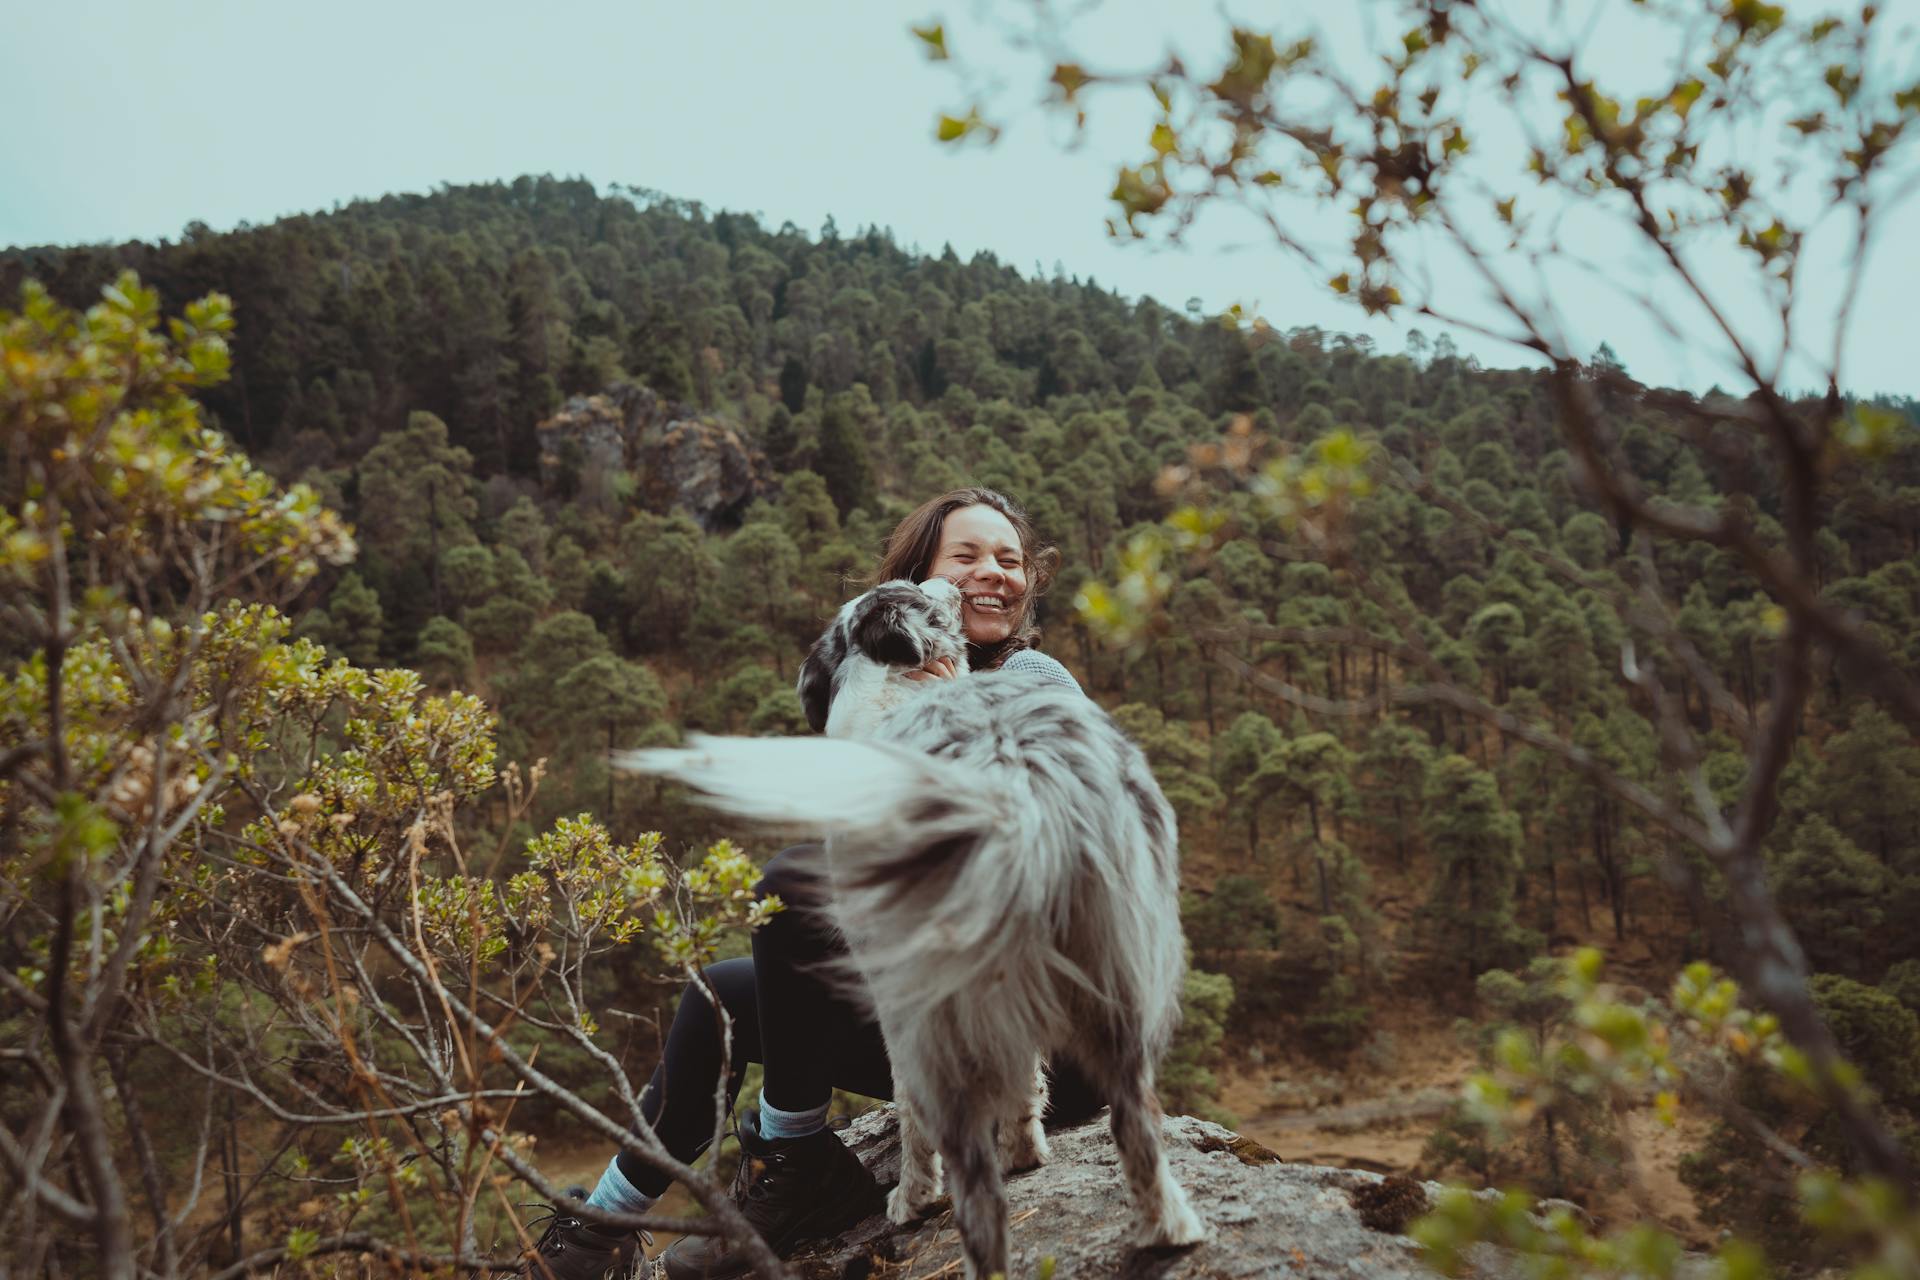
point(979, 552)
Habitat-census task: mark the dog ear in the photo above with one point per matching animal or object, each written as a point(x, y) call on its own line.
point(882, 632)
point(816, 676)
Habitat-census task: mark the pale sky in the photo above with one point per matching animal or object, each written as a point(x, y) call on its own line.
point(122, 120)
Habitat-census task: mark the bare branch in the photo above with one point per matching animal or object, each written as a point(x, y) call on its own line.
point(26, 1171)
point(362, 1242)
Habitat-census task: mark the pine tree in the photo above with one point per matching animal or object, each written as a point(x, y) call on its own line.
point(1237, 758)
point(415, 501)
point(793, 385)
point(1475, 843)
point(1312, 771)
point(1833, 894)
point(444, 654)
point(1869, 786)
point(1392, 768)
point(352, 622)
point(842, 458)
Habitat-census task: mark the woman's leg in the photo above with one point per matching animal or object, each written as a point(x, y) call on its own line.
point(787, 1015)
point(678, 1101)
point(805, 1182)
point(812, 1036)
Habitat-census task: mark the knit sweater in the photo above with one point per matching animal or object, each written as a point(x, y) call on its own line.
point(1034, 662)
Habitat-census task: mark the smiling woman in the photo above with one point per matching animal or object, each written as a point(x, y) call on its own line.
point(981, 554)
point(806, 1033)
point(984, 544)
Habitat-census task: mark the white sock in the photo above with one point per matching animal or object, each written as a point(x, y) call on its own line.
point(775, 1123)
point(616, 1195)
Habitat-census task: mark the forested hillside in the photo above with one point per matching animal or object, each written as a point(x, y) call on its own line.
point(1351, 854)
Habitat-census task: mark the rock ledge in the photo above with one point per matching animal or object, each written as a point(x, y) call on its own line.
point(1269, 1218)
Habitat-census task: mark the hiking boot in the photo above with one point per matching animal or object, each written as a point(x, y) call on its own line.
point(574, 1249)
point(791, 1190)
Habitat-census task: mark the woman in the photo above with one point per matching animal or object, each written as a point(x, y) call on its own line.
point(804, 1183)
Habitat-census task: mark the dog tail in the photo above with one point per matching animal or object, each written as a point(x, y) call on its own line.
point(827, 786)
point(937, 879)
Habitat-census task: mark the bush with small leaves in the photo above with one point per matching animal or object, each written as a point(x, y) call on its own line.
point(1703, 1043)
point(262, 868)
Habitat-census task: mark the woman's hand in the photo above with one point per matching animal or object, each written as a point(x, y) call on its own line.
point(937, 669)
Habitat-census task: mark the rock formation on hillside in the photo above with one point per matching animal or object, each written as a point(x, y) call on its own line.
point(1268, 1218)
point(681, 460)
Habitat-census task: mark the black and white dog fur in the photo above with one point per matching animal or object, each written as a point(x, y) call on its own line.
point(856, 673)
point(1004, 868)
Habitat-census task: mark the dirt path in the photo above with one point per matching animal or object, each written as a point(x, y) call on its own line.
point(1378, 1117)
point(1382, 1134)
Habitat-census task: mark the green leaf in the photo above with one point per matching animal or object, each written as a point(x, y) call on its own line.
point(301, 1242)
point(1684, 94)
point(1741, 1261)
point(1755, 17)
point(954, 128)
point(83, 831)
point(935, 39)
point(1873, 433)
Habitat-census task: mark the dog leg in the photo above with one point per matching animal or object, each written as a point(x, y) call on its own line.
point(1166, 1216)
point(1023, 1142)
point(973, 1173)
point(919, 1166)
point(1119, 1065)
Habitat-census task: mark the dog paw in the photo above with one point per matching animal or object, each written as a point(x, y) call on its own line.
point(1178, 1225)
point(1024, 1147)
point(904, 1206)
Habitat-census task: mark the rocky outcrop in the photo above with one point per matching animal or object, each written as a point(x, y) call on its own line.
point(588, 432)
point(705, 469)
point(682, 461)
point(1268, 1218)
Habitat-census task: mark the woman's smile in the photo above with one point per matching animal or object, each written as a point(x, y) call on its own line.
point(980, 553)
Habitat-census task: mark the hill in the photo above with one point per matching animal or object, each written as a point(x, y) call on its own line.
point(1362, 861)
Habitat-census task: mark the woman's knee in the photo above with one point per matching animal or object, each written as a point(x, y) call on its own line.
point(794, 874)
point(731, 981)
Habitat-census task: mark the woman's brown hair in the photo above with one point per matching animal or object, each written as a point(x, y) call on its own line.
point(915, 543)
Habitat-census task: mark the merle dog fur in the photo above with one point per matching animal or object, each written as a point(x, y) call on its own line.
point(1004, 869)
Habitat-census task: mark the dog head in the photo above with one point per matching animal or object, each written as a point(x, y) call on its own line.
point(898, 624)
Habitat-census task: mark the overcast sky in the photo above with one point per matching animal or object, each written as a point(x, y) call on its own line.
point(122, 120)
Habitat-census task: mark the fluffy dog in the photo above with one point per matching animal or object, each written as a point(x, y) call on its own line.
point(857, 671)
point(1004, 870)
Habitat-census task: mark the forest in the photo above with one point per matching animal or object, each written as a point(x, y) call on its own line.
point(506, 476)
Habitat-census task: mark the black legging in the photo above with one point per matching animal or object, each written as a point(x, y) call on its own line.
point(788, 1017)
